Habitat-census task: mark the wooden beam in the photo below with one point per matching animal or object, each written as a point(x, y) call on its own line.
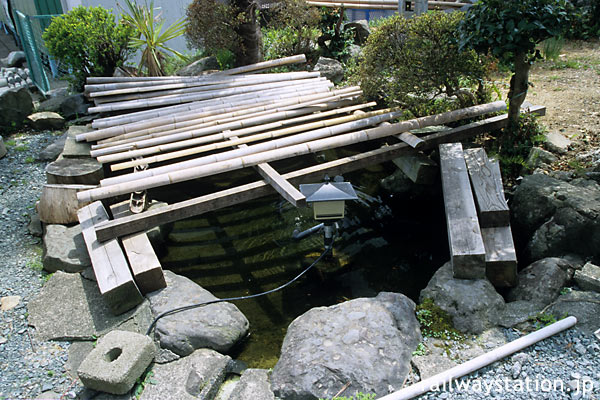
point(488, 189)
point(500, 256)
point(108, 261)
point(240, 194)
point(145, 266)
point(281, 186)
point(464, 235)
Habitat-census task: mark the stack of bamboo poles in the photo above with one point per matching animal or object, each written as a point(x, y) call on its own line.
point(382, 4)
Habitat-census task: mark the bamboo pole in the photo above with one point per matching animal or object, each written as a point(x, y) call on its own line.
point(241, 100)
point(300, 58)
point(163, 90)
point(189, 119)
point(256, 148)
point(106, 88)
point(162, 138)
point(186, 98)
point(219, 133)
point(306, 107)
point(286, 152)
point(248, 139)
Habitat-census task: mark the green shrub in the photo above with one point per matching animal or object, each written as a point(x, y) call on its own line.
point(334, 41)
point(552, 47)
point(415, 63)
point(584, 19)
point(88, 42)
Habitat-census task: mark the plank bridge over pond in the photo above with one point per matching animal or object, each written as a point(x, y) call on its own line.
point(158, 131)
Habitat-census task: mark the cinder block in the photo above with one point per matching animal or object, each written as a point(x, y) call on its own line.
point(588, 278)
point(120, 357)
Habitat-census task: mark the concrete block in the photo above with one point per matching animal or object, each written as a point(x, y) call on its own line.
point(588, 278)
point(118, 360)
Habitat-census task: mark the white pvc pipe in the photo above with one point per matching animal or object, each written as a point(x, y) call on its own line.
point(483, 360)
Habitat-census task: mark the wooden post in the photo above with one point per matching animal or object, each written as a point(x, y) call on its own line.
point(58, 203)
point(500, 256)
point(108, 261)
point(464, 235)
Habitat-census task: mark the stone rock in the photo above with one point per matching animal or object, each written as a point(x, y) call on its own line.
point(164, 356)
point(199, 66)
point(3, 150)
point(542, 281)
point(538, 158)
point(360, 31)
point(366, 341)
point(78, 351)
point(217, 326)
point(354, 52)
point(254, 384)
point(585, 306)
point(197, 376)
point(473, 304)
point(517, 312)
point(9, 302)
point(397, 183)
point(432, 364)
point(330, 68)
point(588, 278)
point(556, 218)
point(35, 227)
point(70, 307)
point(117, 361)
point(51, 152)
point(64, 249)
point(46, 120)
point(74, 106)
point(58, 92)
point(14, 59)
point(15, 105)
point(557, 142)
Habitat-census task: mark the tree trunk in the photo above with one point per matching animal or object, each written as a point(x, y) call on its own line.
point(249, 31)
point(519, 83)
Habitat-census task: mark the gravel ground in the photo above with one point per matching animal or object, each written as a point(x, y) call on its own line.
point(565, 366)
point(27, 367)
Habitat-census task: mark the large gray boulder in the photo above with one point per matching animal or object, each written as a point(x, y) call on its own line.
point(585, 306)
point(14, 59)
point(70, 307)
point(330, 68)
point(254, 384)
point(46, 120)
point(555, 218)
point(216, 326)
point(52, 151)
point(74, 106)
point(199, 66)
point(541, 282)
point(473, 304)
point(366, 342)
point(64, 249)
point(15, 106)
point(360, 31)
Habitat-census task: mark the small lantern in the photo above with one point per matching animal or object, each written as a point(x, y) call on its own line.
point(328, 198)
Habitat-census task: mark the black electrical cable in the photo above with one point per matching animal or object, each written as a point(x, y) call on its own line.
point(192, 306)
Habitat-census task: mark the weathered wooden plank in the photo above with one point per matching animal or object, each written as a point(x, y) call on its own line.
point(500, 256)
point(240, 194)
point(108, 261)
point(488, 189)
point(464, 235)
point(281, 186)
point(418, 167)
point(145, 266)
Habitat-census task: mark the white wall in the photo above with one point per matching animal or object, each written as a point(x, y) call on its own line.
point(171, 10)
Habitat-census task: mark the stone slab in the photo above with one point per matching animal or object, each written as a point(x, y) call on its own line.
point(254, 384)
point(557, 142)
point(588, 278)
point(117, 361)
point(70, 307)
point(75, 149)
point(64, 249)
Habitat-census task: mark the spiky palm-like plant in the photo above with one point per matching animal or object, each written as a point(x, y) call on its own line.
point(152, 39)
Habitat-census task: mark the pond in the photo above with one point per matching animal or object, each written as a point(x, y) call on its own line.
point(386, 243)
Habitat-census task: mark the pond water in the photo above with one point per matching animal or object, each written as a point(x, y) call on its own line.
point(386, 243)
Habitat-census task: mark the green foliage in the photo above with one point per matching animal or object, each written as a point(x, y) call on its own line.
point(30, 160)
point(552, 47)
point(421, 350)
point(89, 42)
point(565, 290)
point(416, 63)
point(334, 41)
point(359, 396)
point(584, 19)
point(150, 38)
point(142, 381)
point(436, 322)
point(212, 26)
point(514, 144)
point(506, 28)
point(542, 320)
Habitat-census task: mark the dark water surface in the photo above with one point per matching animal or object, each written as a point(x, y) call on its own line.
point(386, 243)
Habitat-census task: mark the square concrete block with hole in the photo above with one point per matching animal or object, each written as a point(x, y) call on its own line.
point(120, 357)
